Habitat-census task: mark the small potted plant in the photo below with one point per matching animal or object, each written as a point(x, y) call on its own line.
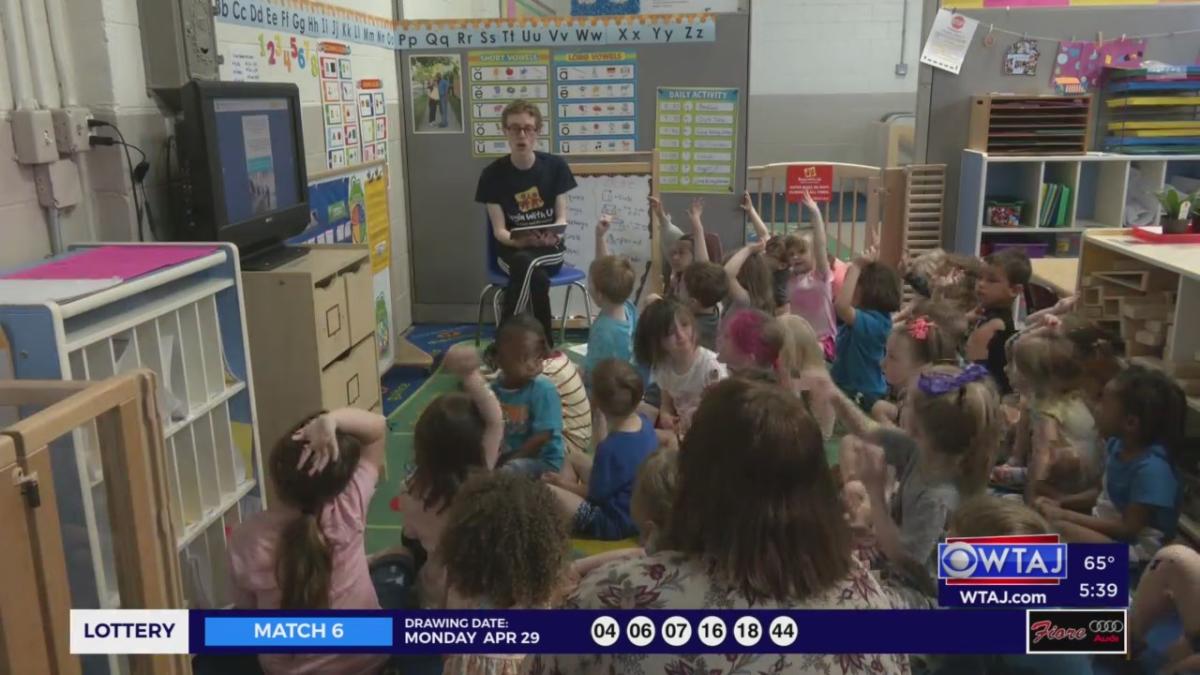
point(1178, 209)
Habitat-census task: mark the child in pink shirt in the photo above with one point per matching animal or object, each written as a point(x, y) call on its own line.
point(306, 551)
point(810, 289)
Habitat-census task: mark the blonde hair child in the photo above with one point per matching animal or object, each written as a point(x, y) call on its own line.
point(1056, 438)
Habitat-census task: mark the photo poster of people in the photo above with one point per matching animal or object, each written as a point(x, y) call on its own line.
point(353, 209)
point(436, 93)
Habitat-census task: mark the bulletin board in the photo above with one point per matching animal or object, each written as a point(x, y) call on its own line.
point(447, 228)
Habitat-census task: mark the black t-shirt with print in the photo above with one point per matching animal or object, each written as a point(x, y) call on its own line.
point(526, 196)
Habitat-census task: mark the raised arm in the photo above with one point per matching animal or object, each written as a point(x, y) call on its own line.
point(320, 437)
point(602, 235)
point(820, 252)
point(734, 267)
point(670, 233)
point(699, 246)
point(760, 228)
point(463, 361)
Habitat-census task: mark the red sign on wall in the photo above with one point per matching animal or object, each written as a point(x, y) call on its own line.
point(816, 178)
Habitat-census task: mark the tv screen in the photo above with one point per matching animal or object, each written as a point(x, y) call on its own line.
point(258, 156)
point(243, 178)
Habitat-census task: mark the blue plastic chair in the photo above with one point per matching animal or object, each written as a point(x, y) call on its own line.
point(568, 276)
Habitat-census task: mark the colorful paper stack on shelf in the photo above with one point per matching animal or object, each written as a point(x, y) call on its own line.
point(1153, 111)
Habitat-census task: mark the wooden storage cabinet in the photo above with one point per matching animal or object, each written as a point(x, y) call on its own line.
point(311, 329)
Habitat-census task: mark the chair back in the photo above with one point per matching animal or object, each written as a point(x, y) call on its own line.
point(712, 242)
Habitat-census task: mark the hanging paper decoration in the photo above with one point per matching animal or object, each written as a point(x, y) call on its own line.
point(1087, 60)
point(1022, 58)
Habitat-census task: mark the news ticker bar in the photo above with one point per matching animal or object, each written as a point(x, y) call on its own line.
point(955, 631)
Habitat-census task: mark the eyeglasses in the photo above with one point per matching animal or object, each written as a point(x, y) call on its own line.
point(517, 130)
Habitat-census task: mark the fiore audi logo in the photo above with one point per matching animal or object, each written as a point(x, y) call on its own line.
point(1106, 626)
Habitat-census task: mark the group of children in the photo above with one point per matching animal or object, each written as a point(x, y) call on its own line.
point(953, 421)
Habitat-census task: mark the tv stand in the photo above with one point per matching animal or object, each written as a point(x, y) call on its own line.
point(265, 260)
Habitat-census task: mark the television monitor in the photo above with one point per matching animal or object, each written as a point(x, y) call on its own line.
point(241, 148)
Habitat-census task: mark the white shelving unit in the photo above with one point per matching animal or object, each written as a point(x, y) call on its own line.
point(187, 324)
point(1099, 185)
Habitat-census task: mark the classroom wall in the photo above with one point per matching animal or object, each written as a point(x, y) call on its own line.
point(822, 72)
point(368, 62)
point(945, 98)
point(450, 9)
point(110, 78)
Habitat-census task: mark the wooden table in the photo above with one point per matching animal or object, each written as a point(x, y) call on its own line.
point(1060, 275)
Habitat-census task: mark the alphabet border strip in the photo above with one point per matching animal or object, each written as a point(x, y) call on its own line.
point(318, 20)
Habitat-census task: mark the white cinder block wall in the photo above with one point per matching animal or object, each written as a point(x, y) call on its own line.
point(822, 72)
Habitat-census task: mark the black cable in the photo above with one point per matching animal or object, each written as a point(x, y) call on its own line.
point(137, 206)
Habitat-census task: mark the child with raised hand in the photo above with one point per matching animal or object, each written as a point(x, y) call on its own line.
point(1142, 416)
point(505, 547)
point(666, 341)
point(1002, 280)
point(749, 273)
point(869, 295)
point(457, 435)
point(943, 459)
point(306, 551)
point(678, 248)
point(598, 506)
point(533, 416)
point(801, 358)
point(1055, 449)
point(612, 279)
point(810, 289)
point(1171, 582)
point(931, 335)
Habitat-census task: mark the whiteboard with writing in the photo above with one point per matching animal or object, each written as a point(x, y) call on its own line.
point(627, 200)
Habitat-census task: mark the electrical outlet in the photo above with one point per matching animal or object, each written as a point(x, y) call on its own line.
point(901, 69)
point(71, 130)
point(33, 136)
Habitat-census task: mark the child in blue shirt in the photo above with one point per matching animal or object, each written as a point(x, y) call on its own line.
point(611, 279)
point(598, 503)
point(869, 295)
point(533, 419)
point(1142, 414)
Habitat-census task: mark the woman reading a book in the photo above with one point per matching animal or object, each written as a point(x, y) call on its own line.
point(525, 193)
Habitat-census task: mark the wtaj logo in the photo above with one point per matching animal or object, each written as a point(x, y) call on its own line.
point(997, 561)
point(1076, 631)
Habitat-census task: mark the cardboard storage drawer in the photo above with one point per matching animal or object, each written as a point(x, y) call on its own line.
point(332, 317)
point(351, 381)
point(360, 292)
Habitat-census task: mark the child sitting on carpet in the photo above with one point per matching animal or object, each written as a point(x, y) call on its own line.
point(306, 551)
point(931, 335)
point(680, 249)
point(598, 506)
point(533, 412)
point(869, 296)
point(1055, 446)
point(612, 279)
point(458, 434)
point(1143, 416)
point(505, 547)
point(943, 459)
point(666, 341)
point(706, 285)
point(810, 289)
point(653, 494)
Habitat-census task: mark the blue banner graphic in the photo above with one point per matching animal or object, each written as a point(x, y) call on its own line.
point(990, 631)
point(323, 21)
